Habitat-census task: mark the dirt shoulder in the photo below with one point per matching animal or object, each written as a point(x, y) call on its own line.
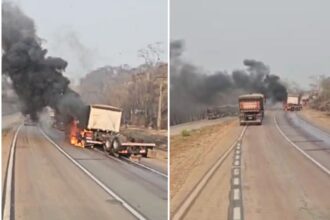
point(7, 136)
point(318, 118)
point(192, 155)
point(9, 125)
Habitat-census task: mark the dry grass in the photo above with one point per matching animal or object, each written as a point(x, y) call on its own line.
point(321, 119)
point(192, 155)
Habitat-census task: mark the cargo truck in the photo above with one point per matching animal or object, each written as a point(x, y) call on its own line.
point(251, 108)
point(102, 130)
point(293, 103)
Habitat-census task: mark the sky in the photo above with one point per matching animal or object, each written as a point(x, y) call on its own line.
point(92, 34)
point(291, 37)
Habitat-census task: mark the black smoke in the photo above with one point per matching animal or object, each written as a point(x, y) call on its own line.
point(257, 78)
point(36, 78)
point(192, 90)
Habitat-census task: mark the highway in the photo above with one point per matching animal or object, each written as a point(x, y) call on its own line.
point(279, 182)
point(279, 170)
point(54, 180)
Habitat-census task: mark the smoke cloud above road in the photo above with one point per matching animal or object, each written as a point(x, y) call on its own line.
point(193, 90)
point(36, 78)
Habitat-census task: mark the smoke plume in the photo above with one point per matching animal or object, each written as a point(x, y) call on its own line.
point(192, 90)
point(37, 78)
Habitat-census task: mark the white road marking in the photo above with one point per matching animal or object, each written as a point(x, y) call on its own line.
point(300, 150)
point(102, 185)
point(236, 163)
point(192, 196)
point(236, 181)
point(7, 205)
point(237, 157)
point(236, 194)
point(237, 213)
point(238, 152)
point(236, 172)
point(130, 161)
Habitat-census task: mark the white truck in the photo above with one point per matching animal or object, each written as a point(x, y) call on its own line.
point(293, 103)
point(102, 129)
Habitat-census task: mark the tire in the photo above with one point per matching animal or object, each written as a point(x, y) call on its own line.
point(145, 154)
point(115, 145)
point(83, 143)
point(107, 145)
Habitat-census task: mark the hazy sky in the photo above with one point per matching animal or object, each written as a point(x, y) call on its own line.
point(292, 37)
point(90, 34)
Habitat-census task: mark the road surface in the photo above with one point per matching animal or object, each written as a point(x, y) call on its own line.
point(279, 182)
point(276, 180)
point(47, 185)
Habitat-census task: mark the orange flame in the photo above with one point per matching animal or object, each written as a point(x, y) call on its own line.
point(74, 133)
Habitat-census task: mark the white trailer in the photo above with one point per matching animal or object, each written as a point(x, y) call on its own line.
point(293, 103)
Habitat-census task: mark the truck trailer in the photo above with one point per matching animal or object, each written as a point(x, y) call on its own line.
point(251, 108)
point(102, 130)
point(293, 103)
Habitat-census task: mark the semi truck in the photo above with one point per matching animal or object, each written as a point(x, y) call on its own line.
point(251, 108)
point(293, 103)
point(102, 129)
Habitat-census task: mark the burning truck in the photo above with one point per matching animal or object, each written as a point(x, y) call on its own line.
point(102, 129)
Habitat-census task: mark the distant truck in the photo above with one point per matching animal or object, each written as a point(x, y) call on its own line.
point(102, 129)
point(251, 108)
point(293, 103)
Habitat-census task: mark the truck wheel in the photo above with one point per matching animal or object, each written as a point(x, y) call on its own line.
point(83, 143)
point(145, 154)
point(115, 147)
point(107, 146)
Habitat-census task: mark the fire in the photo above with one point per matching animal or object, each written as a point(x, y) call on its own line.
point(75, 133)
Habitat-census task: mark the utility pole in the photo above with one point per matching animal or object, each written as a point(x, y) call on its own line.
point(162, 77)
point(159, 116)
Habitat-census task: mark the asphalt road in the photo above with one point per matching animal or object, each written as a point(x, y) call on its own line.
point(49, 186)
point(278, 181)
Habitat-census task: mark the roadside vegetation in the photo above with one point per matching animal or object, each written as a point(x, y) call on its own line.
point(139, 91)
point(321, 97)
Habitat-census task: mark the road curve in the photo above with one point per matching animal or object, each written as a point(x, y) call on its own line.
point(279, 182)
